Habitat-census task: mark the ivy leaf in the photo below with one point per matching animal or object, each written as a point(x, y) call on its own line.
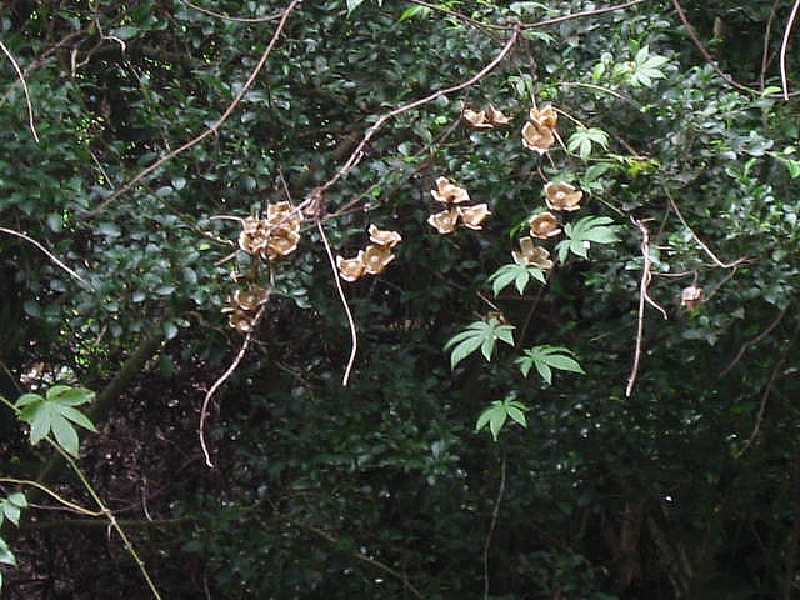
point(519, 274)
point(480, 334)
point(498, 412)
point(583, 138)
point(583, 232)
point(55, 414)
point(547, 358)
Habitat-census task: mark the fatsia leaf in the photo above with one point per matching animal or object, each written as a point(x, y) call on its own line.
point(55, 414)
point(479, 334)
point(497, 414)
point(581, 234)
point(518, 274)
point(546, 358)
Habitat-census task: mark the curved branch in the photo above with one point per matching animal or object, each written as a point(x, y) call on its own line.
point(213, 128)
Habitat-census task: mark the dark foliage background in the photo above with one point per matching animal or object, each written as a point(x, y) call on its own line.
point(690, 488)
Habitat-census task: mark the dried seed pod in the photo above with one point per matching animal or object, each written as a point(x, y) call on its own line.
point(692, 296)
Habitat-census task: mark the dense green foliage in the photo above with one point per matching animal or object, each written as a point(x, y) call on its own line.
point(485, 445)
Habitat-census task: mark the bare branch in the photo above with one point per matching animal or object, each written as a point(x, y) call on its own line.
point(700, 242)
point(24, 87)
point(217, 15)
point(213, 128)
point(753, 342)
point(356, 155)
point(49, 254)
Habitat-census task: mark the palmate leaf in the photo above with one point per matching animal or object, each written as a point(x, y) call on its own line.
point(497, 414)
point(518, 274)
point(547, 358)
point(479, 334)
point(582, 140)
point(55, 414)
point(583, 232)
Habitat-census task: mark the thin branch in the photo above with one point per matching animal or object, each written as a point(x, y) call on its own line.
point(762, 78)
point(367, 559)
point(643, 297)
point(49, 254)
point(495, 514)
point(343, 298)
point(710, 59)
point(24, 87)
point(356, 155)
point(753, 342)
point(700, 242)
point(585, 13)
point(213, 128)
point(784, 45)
point(217, 15)
point(768, 389)
point(542, 23)
point(222, 379)
point(43, 488)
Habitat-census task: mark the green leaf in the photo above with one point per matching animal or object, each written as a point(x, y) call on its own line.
point(480, 334)
point(545, 359)
point(583, 138)
point(55, 414)
point(583, 232)
point(353, 4)
point(18, 499)
point(497, 414)
point(518, 274)
point(6, 556)
point(647, 67)
point(11, 512)
point(65, 435)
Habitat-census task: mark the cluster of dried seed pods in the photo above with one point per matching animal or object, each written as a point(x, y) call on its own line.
point(455, 197)
point(243, 307)
point(539, 133)
point(373, 259)
point(275, 236)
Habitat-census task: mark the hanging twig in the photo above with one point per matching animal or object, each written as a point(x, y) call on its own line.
point(24, 87)
point(223, 378)
point(213, 128)
point(643, 297)
point(343, 298)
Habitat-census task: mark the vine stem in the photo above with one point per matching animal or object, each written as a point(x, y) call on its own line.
point(350, 321)
point(492, 526)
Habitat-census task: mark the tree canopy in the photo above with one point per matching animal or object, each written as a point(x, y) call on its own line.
point(421, 299)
